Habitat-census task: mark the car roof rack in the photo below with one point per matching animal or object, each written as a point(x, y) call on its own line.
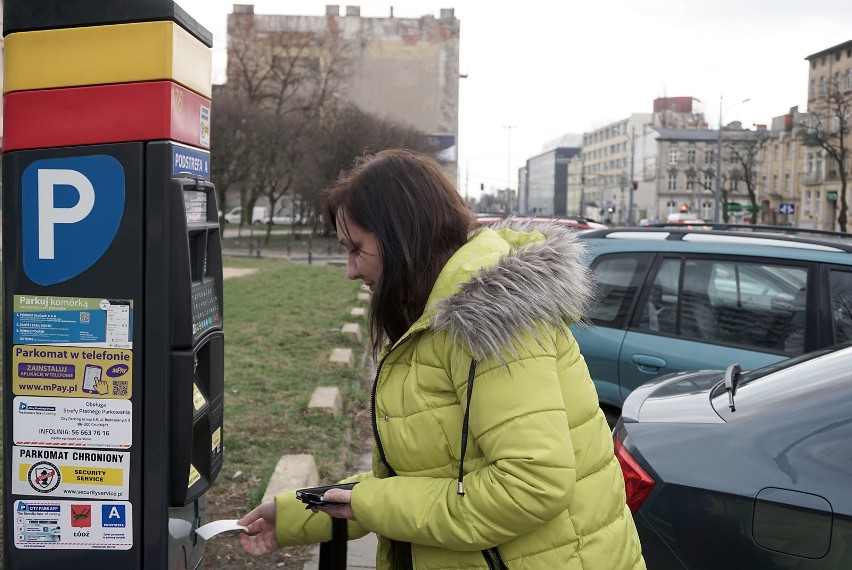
point(839, 240)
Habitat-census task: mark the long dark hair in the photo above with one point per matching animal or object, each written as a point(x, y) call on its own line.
point(419, 219)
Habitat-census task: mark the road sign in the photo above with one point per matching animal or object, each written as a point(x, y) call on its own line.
point(787, 209)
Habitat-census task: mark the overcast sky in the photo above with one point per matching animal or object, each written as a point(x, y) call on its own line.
point(549, 67)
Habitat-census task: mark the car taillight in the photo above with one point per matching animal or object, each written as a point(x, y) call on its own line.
point(637, 483)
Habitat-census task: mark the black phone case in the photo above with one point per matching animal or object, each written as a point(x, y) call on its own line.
point(312, 496)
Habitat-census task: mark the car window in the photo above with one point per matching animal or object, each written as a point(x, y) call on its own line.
point(841, 304)
point(746, 304)
point(618, 277)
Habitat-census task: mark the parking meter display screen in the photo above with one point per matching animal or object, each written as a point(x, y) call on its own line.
point(195, 205)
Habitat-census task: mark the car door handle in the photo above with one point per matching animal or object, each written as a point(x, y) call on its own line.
point(648, 364)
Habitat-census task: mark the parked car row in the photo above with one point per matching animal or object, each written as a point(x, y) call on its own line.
point(677, 298)
point(260, 215)
point(727, 352)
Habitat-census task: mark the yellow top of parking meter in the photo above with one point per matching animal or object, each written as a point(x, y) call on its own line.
point(96, 55)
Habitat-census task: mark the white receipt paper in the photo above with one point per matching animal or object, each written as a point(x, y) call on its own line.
point(210, 530)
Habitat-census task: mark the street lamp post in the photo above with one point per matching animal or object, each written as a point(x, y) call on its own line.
point(717, 202)
point(631, 181)
point(509, 169)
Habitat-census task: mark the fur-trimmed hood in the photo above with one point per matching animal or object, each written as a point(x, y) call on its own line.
point(506, 281)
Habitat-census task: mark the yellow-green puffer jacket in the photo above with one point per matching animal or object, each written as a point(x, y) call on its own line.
point(542, 488)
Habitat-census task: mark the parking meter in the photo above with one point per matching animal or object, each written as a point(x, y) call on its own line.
point(112, 286)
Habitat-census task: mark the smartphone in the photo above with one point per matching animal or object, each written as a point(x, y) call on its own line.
point(91, 377)
point(312, 496)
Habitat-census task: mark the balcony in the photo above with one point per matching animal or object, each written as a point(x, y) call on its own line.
point(812, 177)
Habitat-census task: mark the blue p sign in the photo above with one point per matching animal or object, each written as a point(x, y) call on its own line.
point(71, 210)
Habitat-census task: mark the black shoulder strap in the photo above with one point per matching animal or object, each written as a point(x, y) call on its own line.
point(470, 375)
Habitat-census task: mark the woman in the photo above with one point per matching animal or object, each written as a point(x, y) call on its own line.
point(491, 450)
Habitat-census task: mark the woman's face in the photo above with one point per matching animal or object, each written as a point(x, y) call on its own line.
point(364, 258)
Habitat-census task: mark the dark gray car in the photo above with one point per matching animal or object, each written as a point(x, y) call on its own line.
point(751, 471)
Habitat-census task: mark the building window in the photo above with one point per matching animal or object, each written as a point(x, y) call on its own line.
point(672, 180)
point(776, 148)
point(786, 183)
point(673, 156)
point(690, 182)
point(847, 86)
point(775, 183)
point(789, 150)
point(708, 180)
point(709, 157)
point(822, 86)
point(690, 156)
point(812, 90)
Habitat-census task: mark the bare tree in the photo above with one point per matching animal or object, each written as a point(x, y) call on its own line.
point(288, 85)
point(828, 128)
point(233, 154)
point(745, 151)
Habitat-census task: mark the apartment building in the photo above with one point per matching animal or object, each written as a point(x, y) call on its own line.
point(827, 137)
point(612, 161)
point(418, 57)
point(782, 171)
point(623, 156)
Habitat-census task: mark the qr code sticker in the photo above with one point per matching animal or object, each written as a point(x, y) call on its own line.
point(119, 388)
point(85, 317)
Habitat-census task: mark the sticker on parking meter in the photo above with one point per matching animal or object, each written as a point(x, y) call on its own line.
point(71, 210)
point(190, 161)
point(53, 472)
point(72, 371)
point(80, 321)
point(216, 441)
point(72, 422)
point(78, 525)
point(194, 476)
point(204, 116)
point(198, 399)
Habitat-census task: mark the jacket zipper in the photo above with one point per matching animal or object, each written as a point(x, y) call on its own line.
point(494, 560)
point(373, 408)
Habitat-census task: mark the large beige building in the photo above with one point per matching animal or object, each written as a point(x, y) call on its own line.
point(828, 136)
point(781, 172)
point(404, 69)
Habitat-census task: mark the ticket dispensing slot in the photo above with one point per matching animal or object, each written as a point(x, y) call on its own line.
point(198, 354)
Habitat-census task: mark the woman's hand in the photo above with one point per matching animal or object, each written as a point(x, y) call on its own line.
point(260, 538)
point(339, 496)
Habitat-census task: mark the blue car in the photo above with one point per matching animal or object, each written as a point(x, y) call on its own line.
point(676, 298)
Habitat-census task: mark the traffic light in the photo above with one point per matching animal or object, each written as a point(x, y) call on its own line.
point(635, 184)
